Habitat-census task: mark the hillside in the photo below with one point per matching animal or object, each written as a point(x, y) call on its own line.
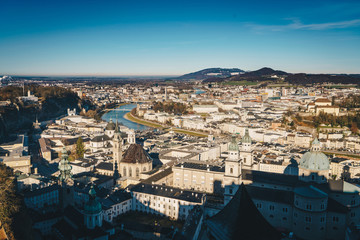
point(18, 116)
point(271, 75)
point(210, 73)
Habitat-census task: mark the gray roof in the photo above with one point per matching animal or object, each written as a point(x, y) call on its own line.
point(169, 192)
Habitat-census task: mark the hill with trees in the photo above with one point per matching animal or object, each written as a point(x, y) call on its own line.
point(19, 115)
point(267, 74)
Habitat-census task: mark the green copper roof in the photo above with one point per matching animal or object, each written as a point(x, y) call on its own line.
point(246, 138)
point(315, 160)
point(64, 166)
point(233, 146)
point(93, 206)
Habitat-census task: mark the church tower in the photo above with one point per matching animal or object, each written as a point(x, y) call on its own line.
point(131, 137)
point(232, 176)
point(117, 148)
point(246, 153)
point(93, 211)
point(64, 167)
point(66, 193)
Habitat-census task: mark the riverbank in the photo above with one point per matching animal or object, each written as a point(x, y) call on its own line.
point(99, 115)
point(132, 118)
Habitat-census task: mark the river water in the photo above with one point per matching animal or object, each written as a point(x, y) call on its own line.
point(119, 113)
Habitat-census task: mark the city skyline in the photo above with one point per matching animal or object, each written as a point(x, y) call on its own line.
point(174, 38)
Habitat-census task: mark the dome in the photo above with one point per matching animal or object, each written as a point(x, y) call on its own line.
point(233, 146)
point(315, 160)
point(110, 125)
point(246, 138)
point(93, 206)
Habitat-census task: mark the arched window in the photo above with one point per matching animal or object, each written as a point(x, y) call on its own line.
point(231, 170)
point(130, 173)
point(137, 172)
point(144, 169)
point(124, 171)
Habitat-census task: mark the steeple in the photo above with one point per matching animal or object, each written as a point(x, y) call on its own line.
point(64, 167)
point(117, 148)
point(246, 141)
point(233, 146)
point(92, 210)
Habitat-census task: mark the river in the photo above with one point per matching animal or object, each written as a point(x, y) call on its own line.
point(119, 113)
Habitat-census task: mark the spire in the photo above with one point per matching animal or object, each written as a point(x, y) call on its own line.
point(64, 167)
point(116, 172)
point(233, 146)
point(117, 129)
point(246, 138)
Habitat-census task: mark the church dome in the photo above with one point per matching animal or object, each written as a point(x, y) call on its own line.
point(110, 126)
point(315, 160)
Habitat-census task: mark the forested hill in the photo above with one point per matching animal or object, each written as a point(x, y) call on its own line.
point(211, 72)
point(53, 102)
point(268, 74)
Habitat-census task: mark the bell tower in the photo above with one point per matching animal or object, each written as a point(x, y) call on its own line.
point(117, 148)
point(232, 176)
point(246, 152)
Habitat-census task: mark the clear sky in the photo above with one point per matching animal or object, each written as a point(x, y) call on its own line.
point(153, 37)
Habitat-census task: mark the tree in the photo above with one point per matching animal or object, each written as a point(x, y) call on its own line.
point(354, 128)
point(80, 148)
point(13, 214)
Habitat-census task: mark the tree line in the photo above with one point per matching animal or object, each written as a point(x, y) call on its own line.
point(171, 108)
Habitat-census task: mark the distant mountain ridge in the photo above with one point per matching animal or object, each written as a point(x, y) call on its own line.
point(269, 74)
point(210, 73)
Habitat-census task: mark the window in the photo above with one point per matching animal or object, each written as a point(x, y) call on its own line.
point(144, 169)
point(308, 219)
point(272, 207)
point(308, 206)
point(137, 172)
point(130, 172)
point(322, 206)
point(271, 216)
point(312, 177)
point(231, 170)
point(284, 218)
point(230, 191)
point(285, 210)
point(258, 205)
point(335, 219)
point(307, 228)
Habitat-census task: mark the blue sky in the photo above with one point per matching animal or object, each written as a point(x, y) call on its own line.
point(100, 37)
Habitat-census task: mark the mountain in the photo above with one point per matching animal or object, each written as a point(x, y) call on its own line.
point(269, 75)
point(211, 73)
point(268, 72)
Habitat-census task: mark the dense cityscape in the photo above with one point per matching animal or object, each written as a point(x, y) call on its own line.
point(176, 159)
point(180, 120)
